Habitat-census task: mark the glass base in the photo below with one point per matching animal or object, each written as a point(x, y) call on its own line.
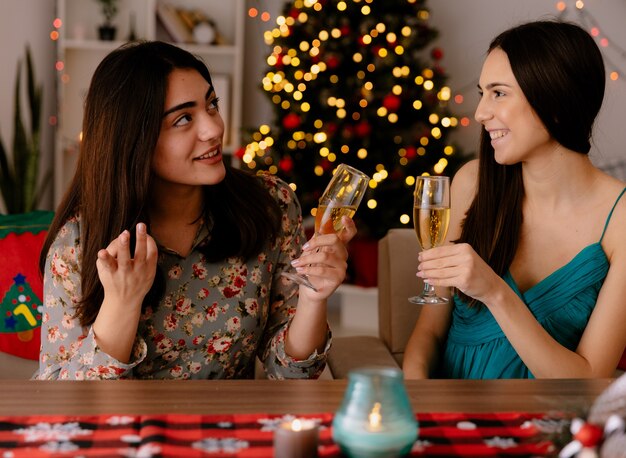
point(428, 300)
point(299, 279)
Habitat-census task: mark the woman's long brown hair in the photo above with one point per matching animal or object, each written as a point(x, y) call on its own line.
point(111, 186)
point(560, 71)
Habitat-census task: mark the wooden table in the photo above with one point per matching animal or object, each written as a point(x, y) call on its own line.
point(18, 397)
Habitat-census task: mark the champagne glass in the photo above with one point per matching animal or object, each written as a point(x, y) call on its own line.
point(431, 216)
point(341, 198)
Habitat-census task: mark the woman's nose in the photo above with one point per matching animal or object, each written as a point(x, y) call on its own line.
point(483, 111)
point(211, 126)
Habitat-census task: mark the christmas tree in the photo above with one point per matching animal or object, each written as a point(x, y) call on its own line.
point(353, 81)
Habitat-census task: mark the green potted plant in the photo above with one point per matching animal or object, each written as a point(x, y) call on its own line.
point(19, 175)
point(23, 229)
point(107, 30)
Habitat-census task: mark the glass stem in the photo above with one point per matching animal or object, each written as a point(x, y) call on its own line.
point(429, 290)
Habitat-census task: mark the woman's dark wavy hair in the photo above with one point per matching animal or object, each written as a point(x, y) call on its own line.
point(560, 70)
point(111, 187)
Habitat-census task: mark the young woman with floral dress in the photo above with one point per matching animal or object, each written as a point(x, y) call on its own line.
point(162, 262)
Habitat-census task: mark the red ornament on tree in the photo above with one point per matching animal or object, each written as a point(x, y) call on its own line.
point(291, 121)
point(286, 164)
point(279, 61)
point(240, 152)
point(363, 129)
point(331, 128)
point(411, 152)
point(391, 102)
point(436, 53)
point(332, 62)
point(348, 131)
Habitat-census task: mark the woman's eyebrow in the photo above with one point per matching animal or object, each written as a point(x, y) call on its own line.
point(179, 107)
point(492, 85)
point(190, 104)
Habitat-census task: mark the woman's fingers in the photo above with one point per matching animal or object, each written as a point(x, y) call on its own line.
point(348, 231)
point(124, 274)
point(141, 238)
point(324, 257)
point(117, 254)
point(105, 260)
point(152, 251)
point(123, 252)
point(322, 248)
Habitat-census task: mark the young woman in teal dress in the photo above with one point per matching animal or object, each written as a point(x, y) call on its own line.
point(535, 259)
point(164, 263)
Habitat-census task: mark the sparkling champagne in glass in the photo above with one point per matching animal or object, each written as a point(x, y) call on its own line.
point(431, 217)
point(341, 198)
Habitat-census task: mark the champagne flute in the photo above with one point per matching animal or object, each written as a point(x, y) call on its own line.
point(341, 198)
point(431, 216)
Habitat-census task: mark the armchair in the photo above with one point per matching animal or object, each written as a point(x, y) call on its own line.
point(397, 265)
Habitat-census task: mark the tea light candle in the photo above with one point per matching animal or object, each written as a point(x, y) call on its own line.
point(375, 419)
point(296, 439)
point(373, 438)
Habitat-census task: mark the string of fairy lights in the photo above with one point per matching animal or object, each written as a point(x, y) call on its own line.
point(582, 16)
point(587, 20)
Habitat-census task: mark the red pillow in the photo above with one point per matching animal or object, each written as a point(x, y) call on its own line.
point(21, 286)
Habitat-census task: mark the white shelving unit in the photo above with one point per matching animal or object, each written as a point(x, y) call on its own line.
point(80, 51)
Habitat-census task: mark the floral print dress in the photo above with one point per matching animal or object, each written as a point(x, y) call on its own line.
point(214, 320)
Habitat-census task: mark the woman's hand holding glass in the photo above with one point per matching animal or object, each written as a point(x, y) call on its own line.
point(333, 227)
point(459, 266)
point(325, 258)
point(431, 217)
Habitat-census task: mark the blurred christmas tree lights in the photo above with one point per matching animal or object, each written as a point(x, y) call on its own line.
point(353, 81)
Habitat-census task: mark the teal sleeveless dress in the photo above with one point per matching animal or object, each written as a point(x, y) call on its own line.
point(562, 303)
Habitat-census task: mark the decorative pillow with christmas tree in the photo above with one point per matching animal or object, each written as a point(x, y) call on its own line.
point(21, 285)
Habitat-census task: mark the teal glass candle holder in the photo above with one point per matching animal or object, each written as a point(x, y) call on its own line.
point(375, 419)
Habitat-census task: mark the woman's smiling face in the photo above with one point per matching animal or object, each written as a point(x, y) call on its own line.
point(189, 148)
point(516, 131)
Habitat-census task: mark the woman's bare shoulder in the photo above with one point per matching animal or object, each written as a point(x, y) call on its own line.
point(465, 182)
point(615, 196)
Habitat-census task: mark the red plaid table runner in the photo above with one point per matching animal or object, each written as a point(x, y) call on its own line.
point(251, 435)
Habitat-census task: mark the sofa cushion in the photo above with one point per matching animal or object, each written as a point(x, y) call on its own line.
point(397, 266)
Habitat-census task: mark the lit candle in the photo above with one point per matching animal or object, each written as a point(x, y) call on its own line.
point(296, 439)
point(375, 437)
point(375, 419)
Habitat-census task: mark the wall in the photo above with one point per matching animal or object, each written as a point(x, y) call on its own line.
point(465, 28)
point(27, 22)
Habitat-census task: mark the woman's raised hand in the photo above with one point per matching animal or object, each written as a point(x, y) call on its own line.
point(124, 277)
